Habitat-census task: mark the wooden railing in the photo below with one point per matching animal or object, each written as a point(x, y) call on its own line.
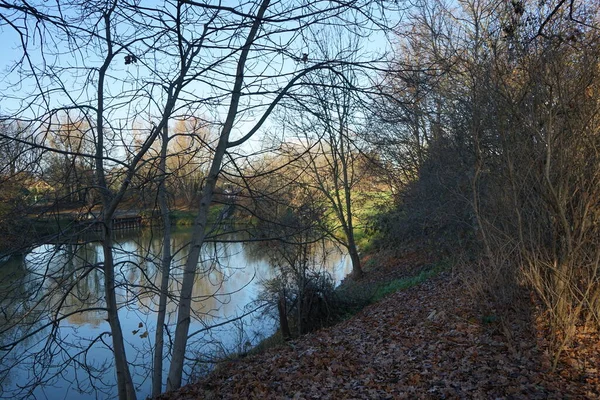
point(119, 222)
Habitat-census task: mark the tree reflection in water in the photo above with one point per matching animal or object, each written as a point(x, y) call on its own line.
point(54, 335)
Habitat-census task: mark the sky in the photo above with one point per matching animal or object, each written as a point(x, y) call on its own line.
point(133, 91)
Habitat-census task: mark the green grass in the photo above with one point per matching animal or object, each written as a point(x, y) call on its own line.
point(404, 283)
point(186, 218)
point(354, 296)
point(182, 218)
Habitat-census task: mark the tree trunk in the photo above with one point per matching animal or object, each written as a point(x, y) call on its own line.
point(157, 365)
point(124, 382)
point(109, 204)
point(189, 275)
point(357, 271)
point(283, 321)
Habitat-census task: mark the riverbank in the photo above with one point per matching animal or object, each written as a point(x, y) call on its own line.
point(45, 225)
point(431, 340)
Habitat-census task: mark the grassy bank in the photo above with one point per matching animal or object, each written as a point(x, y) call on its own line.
point(186, 217)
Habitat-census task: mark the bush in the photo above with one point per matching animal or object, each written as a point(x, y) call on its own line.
point(302, 304)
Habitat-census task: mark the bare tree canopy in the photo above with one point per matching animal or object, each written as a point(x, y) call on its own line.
point(96, 86)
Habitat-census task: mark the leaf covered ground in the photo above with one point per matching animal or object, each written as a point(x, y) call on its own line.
point(431, 341)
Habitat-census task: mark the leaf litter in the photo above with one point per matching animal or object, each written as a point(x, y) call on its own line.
point(426, 342)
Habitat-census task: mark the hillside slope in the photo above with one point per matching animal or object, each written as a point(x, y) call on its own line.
point(425, 342)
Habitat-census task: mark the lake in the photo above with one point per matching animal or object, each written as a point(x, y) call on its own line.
point(72, 358)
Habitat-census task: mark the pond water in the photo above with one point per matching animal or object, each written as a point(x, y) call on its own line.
point(72, 358)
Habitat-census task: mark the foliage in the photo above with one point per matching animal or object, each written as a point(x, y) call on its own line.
point(433, 211)
point(13, 225)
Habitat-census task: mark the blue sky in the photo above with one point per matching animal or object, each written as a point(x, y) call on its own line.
point(130, 85)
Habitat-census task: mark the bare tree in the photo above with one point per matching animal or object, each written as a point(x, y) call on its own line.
point(189, 155)
point(261, 28)
point(325, 121)
point(511, 169)
point(140, 65)
point(97, 28)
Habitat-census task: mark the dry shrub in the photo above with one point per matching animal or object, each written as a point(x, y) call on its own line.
point(543, 221)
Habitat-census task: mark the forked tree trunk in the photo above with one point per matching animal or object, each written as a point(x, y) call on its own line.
point(199, 230)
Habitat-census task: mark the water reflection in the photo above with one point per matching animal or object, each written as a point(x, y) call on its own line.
point(67, 352)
